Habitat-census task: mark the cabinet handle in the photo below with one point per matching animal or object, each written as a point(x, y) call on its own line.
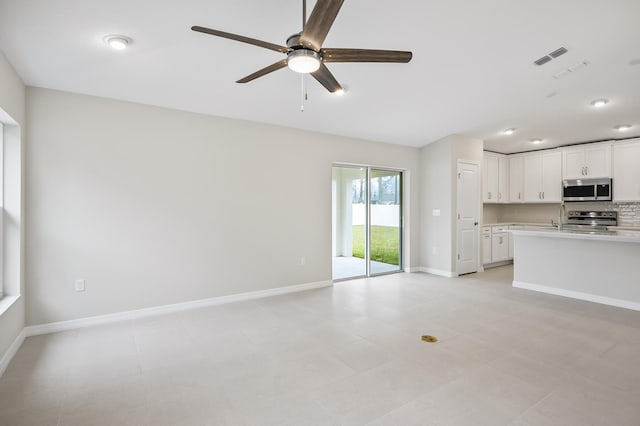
point(539, 195)
point(518, 195)
point(500, 240)
point(586, 170)
point(582, 171)
point(499, 195)
point(489, 195)
point(543, 195)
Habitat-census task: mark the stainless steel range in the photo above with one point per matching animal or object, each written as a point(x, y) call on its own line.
point(591, 219)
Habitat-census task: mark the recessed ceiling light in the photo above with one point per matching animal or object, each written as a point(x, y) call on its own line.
point(117, 42)
point(509, 131)
point(339, 92)
point(623, 127)
point(599, 102)
point(536, 141)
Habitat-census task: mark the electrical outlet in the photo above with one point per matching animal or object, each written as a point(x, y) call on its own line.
point(79, 285)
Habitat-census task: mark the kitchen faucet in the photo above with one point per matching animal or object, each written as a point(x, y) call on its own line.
point(560, 216)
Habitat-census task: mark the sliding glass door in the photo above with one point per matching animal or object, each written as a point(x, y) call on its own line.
point(367, 221)
point(386, 218)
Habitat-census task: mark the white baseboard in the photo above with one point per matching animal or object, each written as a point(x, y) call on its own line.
point(627, 304)
point(13, 349)
point(413, 269)
point(442, 273)
point(54, 327)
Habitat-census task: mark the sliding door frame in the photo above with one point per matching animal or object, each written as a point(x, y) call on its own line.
point(368, 204)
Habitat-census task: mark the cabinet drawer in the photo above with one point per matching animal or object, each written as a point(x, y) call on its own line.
point(499, 228)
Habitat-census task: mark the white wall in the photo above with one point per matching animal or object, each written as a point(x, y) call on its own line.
point(12, 113)
point(438, 188)
point(436, 193)
point(470, 150)
point(153, 206)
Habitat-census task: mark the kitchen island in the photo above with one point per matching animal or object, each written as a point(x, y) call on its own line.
point(598, 266)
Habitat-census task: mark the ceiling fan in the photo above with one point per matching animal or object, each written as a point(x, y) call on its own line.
point(304, 50)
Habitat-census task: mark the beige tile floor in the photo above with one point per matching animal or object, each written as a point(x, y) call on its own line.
point(350, 354)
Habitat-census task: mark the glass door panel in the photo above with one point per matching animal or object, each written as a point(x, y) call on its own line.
point(349, 241)
point(385, 221)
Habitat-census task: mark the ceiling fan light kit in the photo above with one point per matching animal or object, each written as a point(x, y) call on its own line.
point(304, 50)
point(304, 61)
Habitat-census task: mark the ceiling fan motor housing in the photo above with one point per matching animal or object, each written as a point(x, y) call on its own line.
point(293, 42)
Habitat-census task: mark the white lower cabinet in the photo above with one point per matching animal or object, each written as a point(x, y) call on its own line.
point(510, 245)
point(496, 244)
point(499, 244)
point(486, 245)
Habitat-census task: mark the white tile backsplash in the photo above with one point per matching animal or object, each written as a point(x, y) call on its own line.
point(628, 213)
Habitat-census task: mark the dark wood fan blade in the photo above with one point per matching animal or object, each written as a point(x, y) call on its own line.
point(365, 55)
point(319, 23)
point(324, 77)
point(264, 71)
point(242, 39)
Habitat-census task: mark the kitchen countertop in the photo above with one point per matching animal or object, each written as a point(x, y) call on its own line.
point(548, 225)
point(621, 235)
point(518, 224)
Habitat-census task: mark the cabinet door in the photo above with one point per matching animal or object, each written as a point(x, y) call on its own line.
point(515, 180)
point(573, 163)
point(510, 245)
point(486, 249)
point(552, 177)
point(598, 161)
point(503, 179)
point(532, 178)
point(492, 179)
point(626, 172)
point(499, 247)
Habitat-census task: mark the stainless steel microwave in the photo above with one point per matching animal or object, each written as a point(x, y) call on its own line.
point(587, 189)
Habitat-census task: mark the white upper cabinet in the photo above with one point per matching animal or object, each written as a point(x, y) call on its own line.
point(516, 174)
point(543, 177)
point(626, 171)
point(503, 179)
point(552, 177)
point(495, 178)
point(592, 161)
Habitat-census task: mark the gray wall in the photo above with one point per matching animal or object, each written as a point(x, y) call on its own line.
point(154, 206)
point(12, 113)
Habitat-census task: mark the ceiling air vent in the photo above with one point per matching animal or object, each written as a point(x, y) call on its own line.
point(546, 58)
point(542, 60)
point(558, 52)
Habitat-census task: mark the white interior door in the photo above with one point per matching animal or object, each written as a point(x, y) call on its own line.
point(468, 217)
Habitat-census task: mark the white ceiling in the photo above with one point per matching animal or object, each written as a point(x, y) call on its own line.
point(471, 72)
